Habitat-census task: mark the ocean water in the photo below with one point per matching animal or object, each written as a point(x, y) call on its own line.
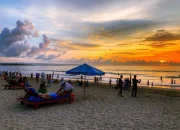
point(151, 73)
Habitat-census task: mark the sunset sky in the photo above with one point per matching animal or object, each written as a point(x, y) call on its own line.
point(95, 31)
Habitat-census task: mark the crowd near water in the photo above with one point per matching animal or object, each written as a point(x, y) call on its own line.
point(150, 76)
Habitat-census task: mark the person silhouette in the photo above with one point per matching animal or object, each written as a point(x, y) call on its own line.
point(120, 86)
point(148, 83)
point(135, 81)
point(161, 79)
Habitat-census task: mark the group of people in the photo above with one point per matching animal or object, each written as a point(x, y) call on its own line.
point(148, 83)
point(80, 83)
point(16, 76)
point(10, 74)
point(134, 89)
point(173, 81)
point(97, 79)
point(65, 88)
point(23, 80)
point(126, 83)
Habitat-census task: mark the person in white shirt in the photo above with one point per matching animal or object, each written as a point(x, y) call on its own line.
point(66, 88)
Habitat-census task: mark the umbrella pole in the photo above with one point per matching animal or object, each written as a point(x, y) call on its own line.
point(84, 86)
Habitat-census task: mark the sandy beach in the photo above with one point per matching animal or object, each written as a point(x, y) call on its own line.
point(102, 109)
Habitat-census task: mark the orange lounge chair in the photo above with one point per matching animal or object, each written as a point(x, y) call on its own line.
point(34, 100)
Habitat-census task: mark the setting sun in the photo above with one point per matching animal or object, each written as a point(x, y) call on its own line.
point(162, 61)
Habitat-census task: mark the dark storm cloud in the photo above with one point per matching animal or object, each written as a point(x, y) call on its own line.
point(84, 45)
point(120, 28)
point(161, 44)
point(16, 49)
point(163, 35)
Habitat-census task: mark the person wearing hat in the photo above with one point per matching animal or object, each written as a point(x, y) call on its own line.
point(42, 88)
point(66, 88)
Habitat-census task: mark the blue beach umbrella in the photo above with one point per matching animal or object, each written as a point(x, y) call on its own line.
point(85, 69)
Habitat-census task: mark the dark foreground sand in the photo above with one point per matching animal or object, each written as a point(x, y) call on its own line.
point(102, 109)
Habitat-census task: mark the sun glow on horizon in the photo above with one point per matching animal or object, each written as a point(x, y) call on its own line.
point(163, 61)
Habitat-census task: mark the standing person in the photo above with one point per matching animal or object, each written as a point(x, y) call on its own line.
point(10, 74)
point(62, 79)
point(130, 80)
point(24, 79)
point(49, 81)
point(37, 77)
point(152, 84)
point(172, 81)
point(135, 81)
point(47, 77)
point(31, 75)
point(20, 80)
point(100, 78)
point(120, 86)
point(43, 84)
point(128, 83)
point(161, 79)
point(58, 76)
point(69, 81)
point(148, 83)
point(117, 83)
point(110, 82)
point(87, 83)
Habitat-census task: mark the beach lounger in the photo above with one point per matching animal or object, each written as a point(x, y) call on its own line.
point(13, 84)
point(34, 100)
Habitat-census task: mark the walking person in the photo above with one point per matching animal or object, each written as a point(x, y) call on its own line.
point(135, 81)
point(120, 86)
